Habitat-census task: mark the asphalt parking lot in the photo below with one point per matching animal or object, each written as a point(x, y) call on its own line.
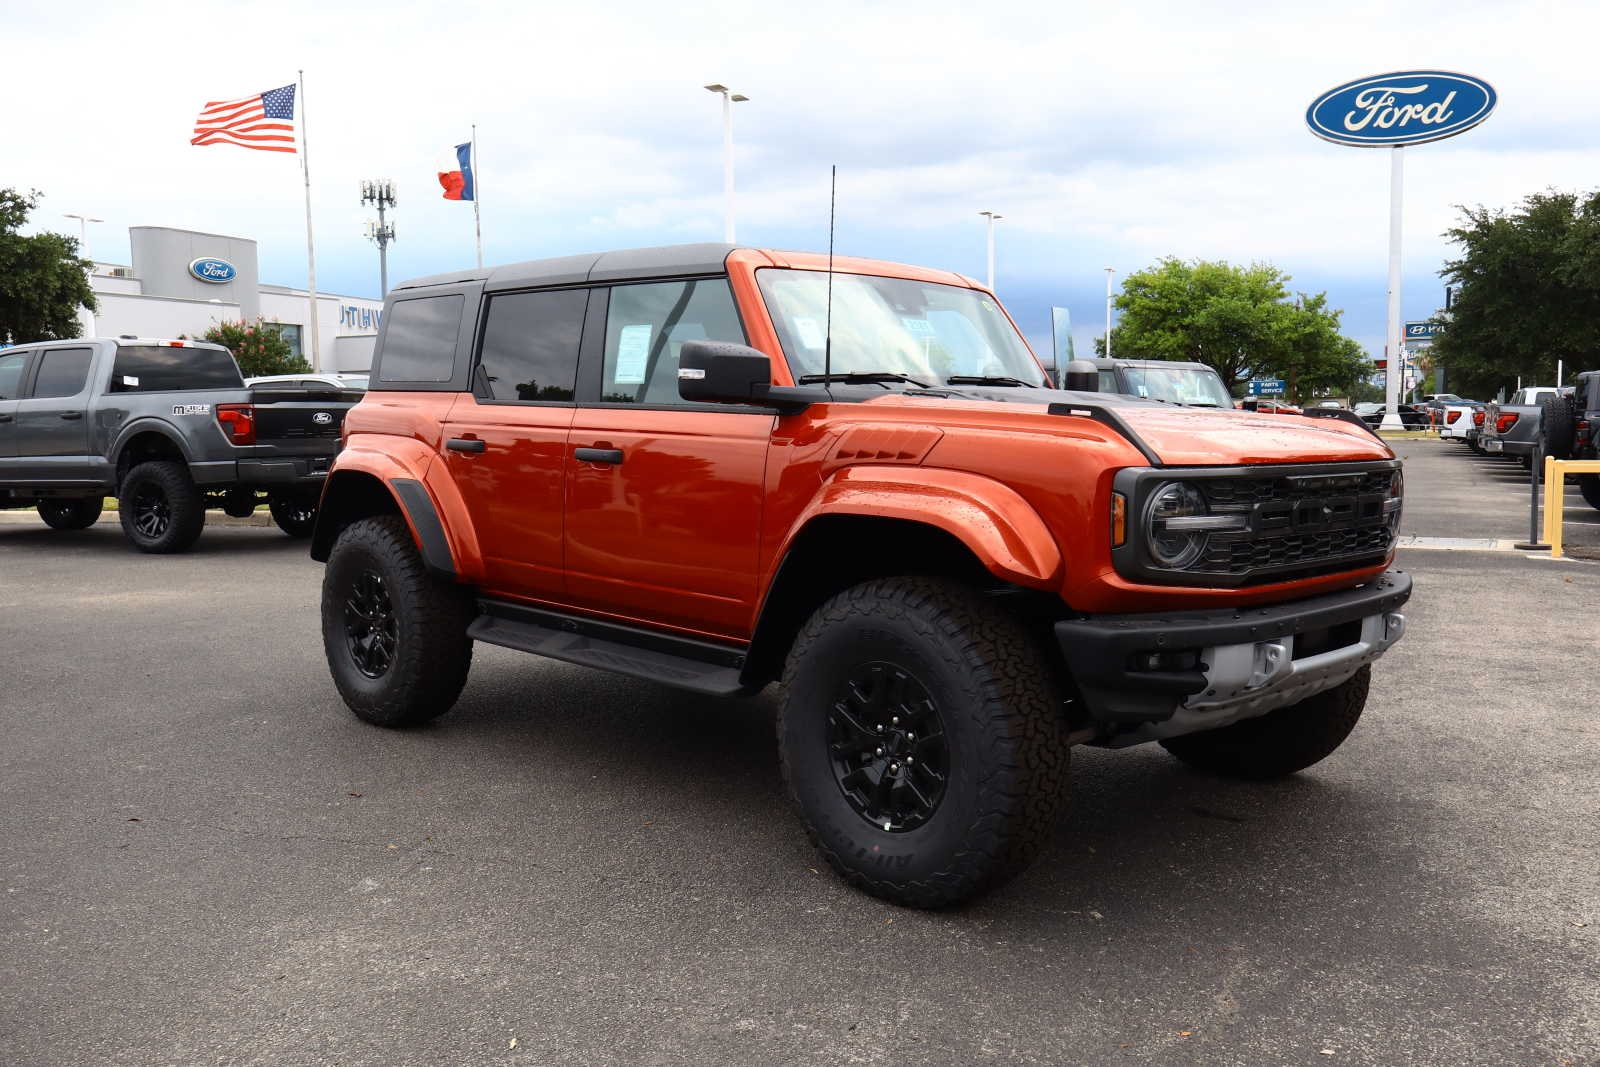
point(208, 860)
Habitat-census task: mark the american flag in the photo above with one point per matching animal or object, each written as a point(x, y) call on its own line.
point(264, 121)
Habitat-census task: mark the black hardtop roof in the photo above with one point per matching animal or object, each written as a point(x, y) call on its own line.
point(663, 261)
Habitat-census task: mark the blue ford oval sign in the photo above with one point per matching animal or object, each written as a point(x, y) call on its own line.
point(213, 270)
point(1406, 107)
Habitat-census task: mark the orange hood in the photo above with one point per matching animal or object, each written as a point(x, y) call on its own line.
point(1187, 437)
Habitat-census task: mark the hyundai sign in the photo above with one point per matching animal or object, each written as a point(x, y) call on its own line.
point(213, 270)
point(1406, 107)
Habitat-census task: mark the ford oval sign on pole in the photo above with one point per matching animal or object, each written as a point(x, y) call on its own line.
point(1394, 110)
point(213, 270)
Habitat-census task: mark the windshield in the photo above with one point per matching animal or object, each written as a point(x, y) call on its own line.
point(1196, 386)
point(923, 330)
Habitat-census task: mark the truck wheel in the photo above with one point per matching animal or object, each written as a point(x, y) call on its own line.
point(160, 508)
point(921, 739)
point(1559, 424)
point(1589, 486)
point(394, 634)
point(1279, 742)
point(295, 516)
point(77, 514)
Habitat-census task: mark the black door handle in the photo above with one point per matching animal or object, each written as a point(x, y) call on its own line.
point(71, 414)
point(598, 455)
point(465, 444)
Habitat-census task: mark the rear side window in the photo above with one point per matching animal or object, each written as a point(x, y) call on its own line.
point(11, 367)
point(1108, 382)
point(530, 345)
point(646, 326)
point(163, 369)
point(419, 340)
point(62, 372)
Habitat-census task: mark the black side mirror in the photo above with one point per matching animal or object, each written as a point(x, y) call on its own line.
point(1081, 377)
point(721, 372)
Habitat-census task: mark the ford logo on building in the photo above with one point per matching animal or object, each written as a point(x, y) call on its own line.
point(213, 270)
point(1406, 107)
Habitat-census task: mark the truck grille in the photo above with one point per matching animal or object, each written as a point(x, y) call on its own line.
point(1299, 521)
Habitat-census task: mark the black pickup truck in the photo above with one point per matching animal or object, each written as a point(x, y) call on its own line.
point(168, 428)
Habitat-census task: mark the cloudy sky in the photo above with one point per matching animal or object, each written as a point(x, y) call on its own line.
point(1107, 135)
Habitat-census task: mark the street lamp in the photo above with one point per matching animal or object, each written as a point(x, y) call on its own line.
point(380, 192)
point(83, 226)
point(729, 98)
point(1109, 272)
point(992, 217)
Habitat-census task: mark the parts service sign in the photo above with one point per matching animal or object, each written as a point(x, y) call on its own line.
point(1406, 107)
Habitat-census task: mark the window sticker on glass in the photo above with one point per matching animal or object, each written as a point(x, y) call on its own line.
point(810, 333)
point(130, 380)
point(633, 349)
point(921, 327)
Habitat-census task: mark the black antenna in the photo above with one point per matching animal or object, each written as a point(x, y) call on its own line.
point(827, 342)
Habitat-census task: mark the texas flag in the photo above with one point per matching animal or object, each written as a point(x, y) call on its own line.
point(458, 184)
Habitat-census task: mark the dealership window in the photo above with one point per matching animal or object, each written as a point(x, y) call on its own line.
point(530, 345)
point(419, 344)
point(290, 332)
point(62, 372)
point(646, 326)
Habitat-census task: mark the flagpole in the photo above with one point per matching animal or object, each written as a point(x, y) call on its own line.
point(311, 248)
point(477, 195)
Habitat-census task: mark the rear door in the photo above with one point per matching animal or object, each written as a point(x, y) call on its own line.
point(13, 369)
point(52, 432)
point(505, 443)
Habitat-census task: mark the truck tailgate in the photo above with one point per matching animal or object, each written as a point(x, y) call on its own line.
point(301, 420)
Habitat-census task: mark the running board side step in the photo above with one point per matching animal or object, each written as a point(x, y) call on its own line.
point(699, 666)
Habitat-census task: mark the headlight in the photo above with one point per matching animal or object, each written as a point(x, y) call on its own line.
point(1393, 504)
point(1174, 543)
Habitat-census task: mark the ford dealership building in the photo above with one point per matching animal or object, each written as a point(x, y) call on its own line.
point(184, 282)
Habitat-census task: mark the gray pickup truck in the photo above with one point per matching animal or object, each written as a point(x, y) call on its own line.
point(168, 428)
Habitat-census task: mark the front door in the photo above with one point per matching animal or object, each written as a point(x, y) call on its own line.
point(52, 432)
point(505, 445)
point(663, 497)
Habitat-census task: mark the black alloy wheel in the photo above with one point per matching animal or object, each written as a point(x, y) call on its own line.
point(370, 630)
point(887, 746)
point(152, 514)
point(295, 515)
point(161, 510)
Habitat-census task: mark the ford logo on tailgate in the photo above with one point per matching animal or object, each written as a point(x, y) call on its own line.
point(213, 270)
point(322, 418)
point(1406, 107)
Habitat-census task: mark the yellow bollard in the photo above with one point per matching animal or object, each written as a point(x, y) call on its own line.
point(1554, 496)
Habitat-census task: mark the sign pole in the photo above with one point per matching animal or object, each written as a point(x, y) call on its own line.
point(311, 246)
point(1391, 393)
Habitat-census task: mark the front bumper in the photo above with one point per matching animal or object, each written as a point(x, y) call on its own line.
point(1174, 673)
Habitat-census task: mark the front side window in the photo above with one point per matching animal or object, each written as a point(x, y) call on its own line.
point(166, 369)
point(419, 341)
point(62, 372)
point(646, 326)
point(11, 367)
point(924, 330)
point(530, 345)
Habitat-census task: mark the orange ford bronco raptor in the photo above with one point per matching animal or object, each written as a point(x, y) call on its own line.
point(720, 467)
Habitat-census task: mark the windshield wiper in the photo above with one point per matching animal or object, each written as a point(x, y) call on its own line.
point(987, 379)
point(868, 376)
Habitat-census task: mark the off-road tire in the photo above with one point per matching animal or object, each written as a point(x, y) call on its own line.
point(1589, 486)
point(180, 507)
point(1280, 742)
point(79, 514)
point(430, 652)
point(1006, 754)
point(295, 516)
point(1559, 425)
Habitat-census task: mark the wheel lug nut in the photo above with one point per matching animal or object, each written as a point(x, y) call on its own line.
point(880, 727)
point(910, 760)
point(879, 752)
point(894, 766)
point(895, 720)
point(910, 736)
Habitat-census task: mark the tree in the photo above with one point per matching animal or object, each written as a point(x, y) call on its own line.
point(43, 282)
point(259, 347)
point(1241, 321)
point(1528, 294)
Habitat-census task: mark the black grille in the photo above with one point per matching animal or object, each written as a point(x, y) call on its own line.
point(1308, 524)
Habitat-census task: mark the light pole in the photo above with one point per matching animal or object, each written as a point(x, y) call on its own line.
point(992, 217)
point(1109, 272)
point(729, 98)
point(83, 226)
point(380, 191)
